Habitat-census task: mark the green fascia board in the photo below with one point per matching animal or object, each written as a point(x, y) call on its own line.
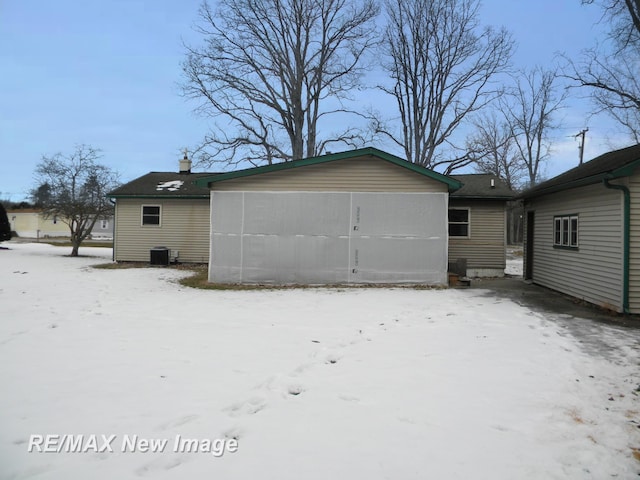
point(165, 197)
point(482, 197)
point(581, 182)
point(625, 171)
point(276, 167)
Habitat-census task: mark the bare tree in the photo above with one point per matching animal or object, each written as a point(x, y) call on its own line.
point(271, 70)
point(495, 150)
point(76, 192)
point(530, 108)
point(442, 64)
point(609, 70)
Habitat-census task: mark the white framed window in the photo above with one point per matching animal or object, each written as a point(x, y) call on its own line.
point(565, 231)
point(151, 215)
point(459, 221)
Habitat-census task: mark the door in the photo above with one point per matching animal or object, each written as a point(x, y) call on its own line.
point(528, 267)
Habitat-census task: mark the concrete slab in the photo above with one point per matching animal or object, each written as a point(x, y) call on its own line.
point(550, 301)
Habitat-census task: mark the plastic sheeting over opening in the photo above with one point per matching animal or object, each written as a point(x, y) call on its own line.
point(326, 238)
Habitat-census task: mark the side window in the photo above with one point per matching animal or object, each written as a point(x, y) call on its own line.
point(565, 231)
point(151, 214)
point(459, 222)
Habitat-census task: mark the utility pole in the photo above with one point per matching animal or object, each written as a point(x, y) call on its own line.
point(581, 146)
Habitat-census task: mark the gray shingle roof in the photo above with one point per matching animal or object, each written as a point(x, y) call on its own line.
point(163, 184)
point(478, 185)
point(610, 165)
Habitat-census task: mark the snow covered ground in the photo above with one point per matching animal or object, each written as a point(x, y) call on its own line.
point(313, 384)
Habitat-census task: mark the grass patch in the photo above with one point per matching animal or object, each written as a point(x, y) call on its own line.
point(200, 279)
point(120, 265)
point(67, 243)
point(636, 453)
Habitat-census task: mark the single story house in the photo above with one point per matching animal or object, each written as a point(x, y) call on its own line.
point(34, 223)
point(582, 231)
point(162, 209)
point(362, 216)
point(478, 224)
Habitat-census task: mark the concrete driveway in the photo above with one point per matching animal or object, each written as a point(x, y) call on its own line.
point(600, 332)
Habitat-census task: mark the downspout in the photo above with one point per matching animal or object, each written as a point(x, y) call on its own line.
point(627, 240)
point(113, 248)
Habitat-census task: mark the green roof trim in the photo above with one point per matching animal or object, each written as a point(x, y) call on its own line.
point(370, 151)
point(166, 197)
point(625, 171)
point(615, 164)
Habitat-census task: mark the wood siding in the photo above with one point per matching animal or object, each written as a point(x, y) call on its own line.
point(485, 247)
point(184, 227)
point(634, 254)
point(593, 271)
point(363, 174)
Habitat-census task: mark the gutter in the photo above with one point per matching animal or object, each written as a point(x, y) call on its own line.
point(627, 239)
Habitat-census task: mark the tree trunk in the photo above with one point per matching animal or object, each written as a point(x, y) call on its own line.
point(74, 249)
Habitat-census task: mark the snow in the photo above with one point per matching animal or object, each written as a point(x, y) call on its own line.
point(313, 383)
point(515, 265)
point(171, 186)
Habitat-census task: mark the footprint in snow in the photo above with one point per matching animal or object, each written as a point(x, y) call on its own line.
point(177, 422)
point(332, 359)
point(247, 407)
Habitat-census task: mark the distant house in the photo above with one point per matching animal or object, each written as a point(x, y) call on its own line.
point(162, 209)
point(34, 223)
point(477, 225)
point(582, 231)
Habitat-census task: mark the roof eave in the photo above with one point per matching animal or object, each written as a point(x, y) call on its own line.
point(582, 182)
point(483, 197)
point(451, 183)
point(204, 196)
point(624, 171)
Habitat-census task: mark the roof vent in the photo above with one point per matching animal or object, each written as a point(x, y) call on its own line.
point(185, 163)
point(493, 183)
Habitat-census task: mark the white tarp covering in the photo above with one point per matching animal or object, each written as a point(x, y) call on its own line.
point(328, 237)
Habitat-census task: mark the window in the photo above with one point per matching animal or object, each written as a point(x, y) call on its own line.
point(565, 231)
point(458, 222)
point(150, 215)
point(104, 224)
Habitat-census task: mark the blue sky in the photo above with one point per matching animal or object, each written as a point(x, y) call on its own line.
point(107, 73)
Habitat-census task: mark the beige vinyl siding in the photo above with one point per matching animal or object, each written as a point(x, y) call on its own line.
point(485, 247)
point(361, 174)
point(184, 227)
point(593, 272)
point(634, 254)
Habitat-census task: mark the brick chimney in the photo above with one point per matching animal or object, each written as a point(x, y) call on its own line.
point(185, 163)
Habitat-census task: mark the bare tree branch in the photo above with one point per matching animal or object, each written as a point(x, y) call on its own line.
point(529, 109)
point(610, 71)
point(442, 65)
point(267, 70)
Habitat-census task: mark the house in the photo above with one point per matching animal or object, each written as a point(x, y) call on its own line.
point(362, 216)
point(34, 223)
point(582, 231)
point(477, 225)
point(162, 209)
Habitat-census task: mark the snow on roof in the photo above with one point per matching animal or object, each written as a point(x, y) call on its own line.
point(171, 186)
